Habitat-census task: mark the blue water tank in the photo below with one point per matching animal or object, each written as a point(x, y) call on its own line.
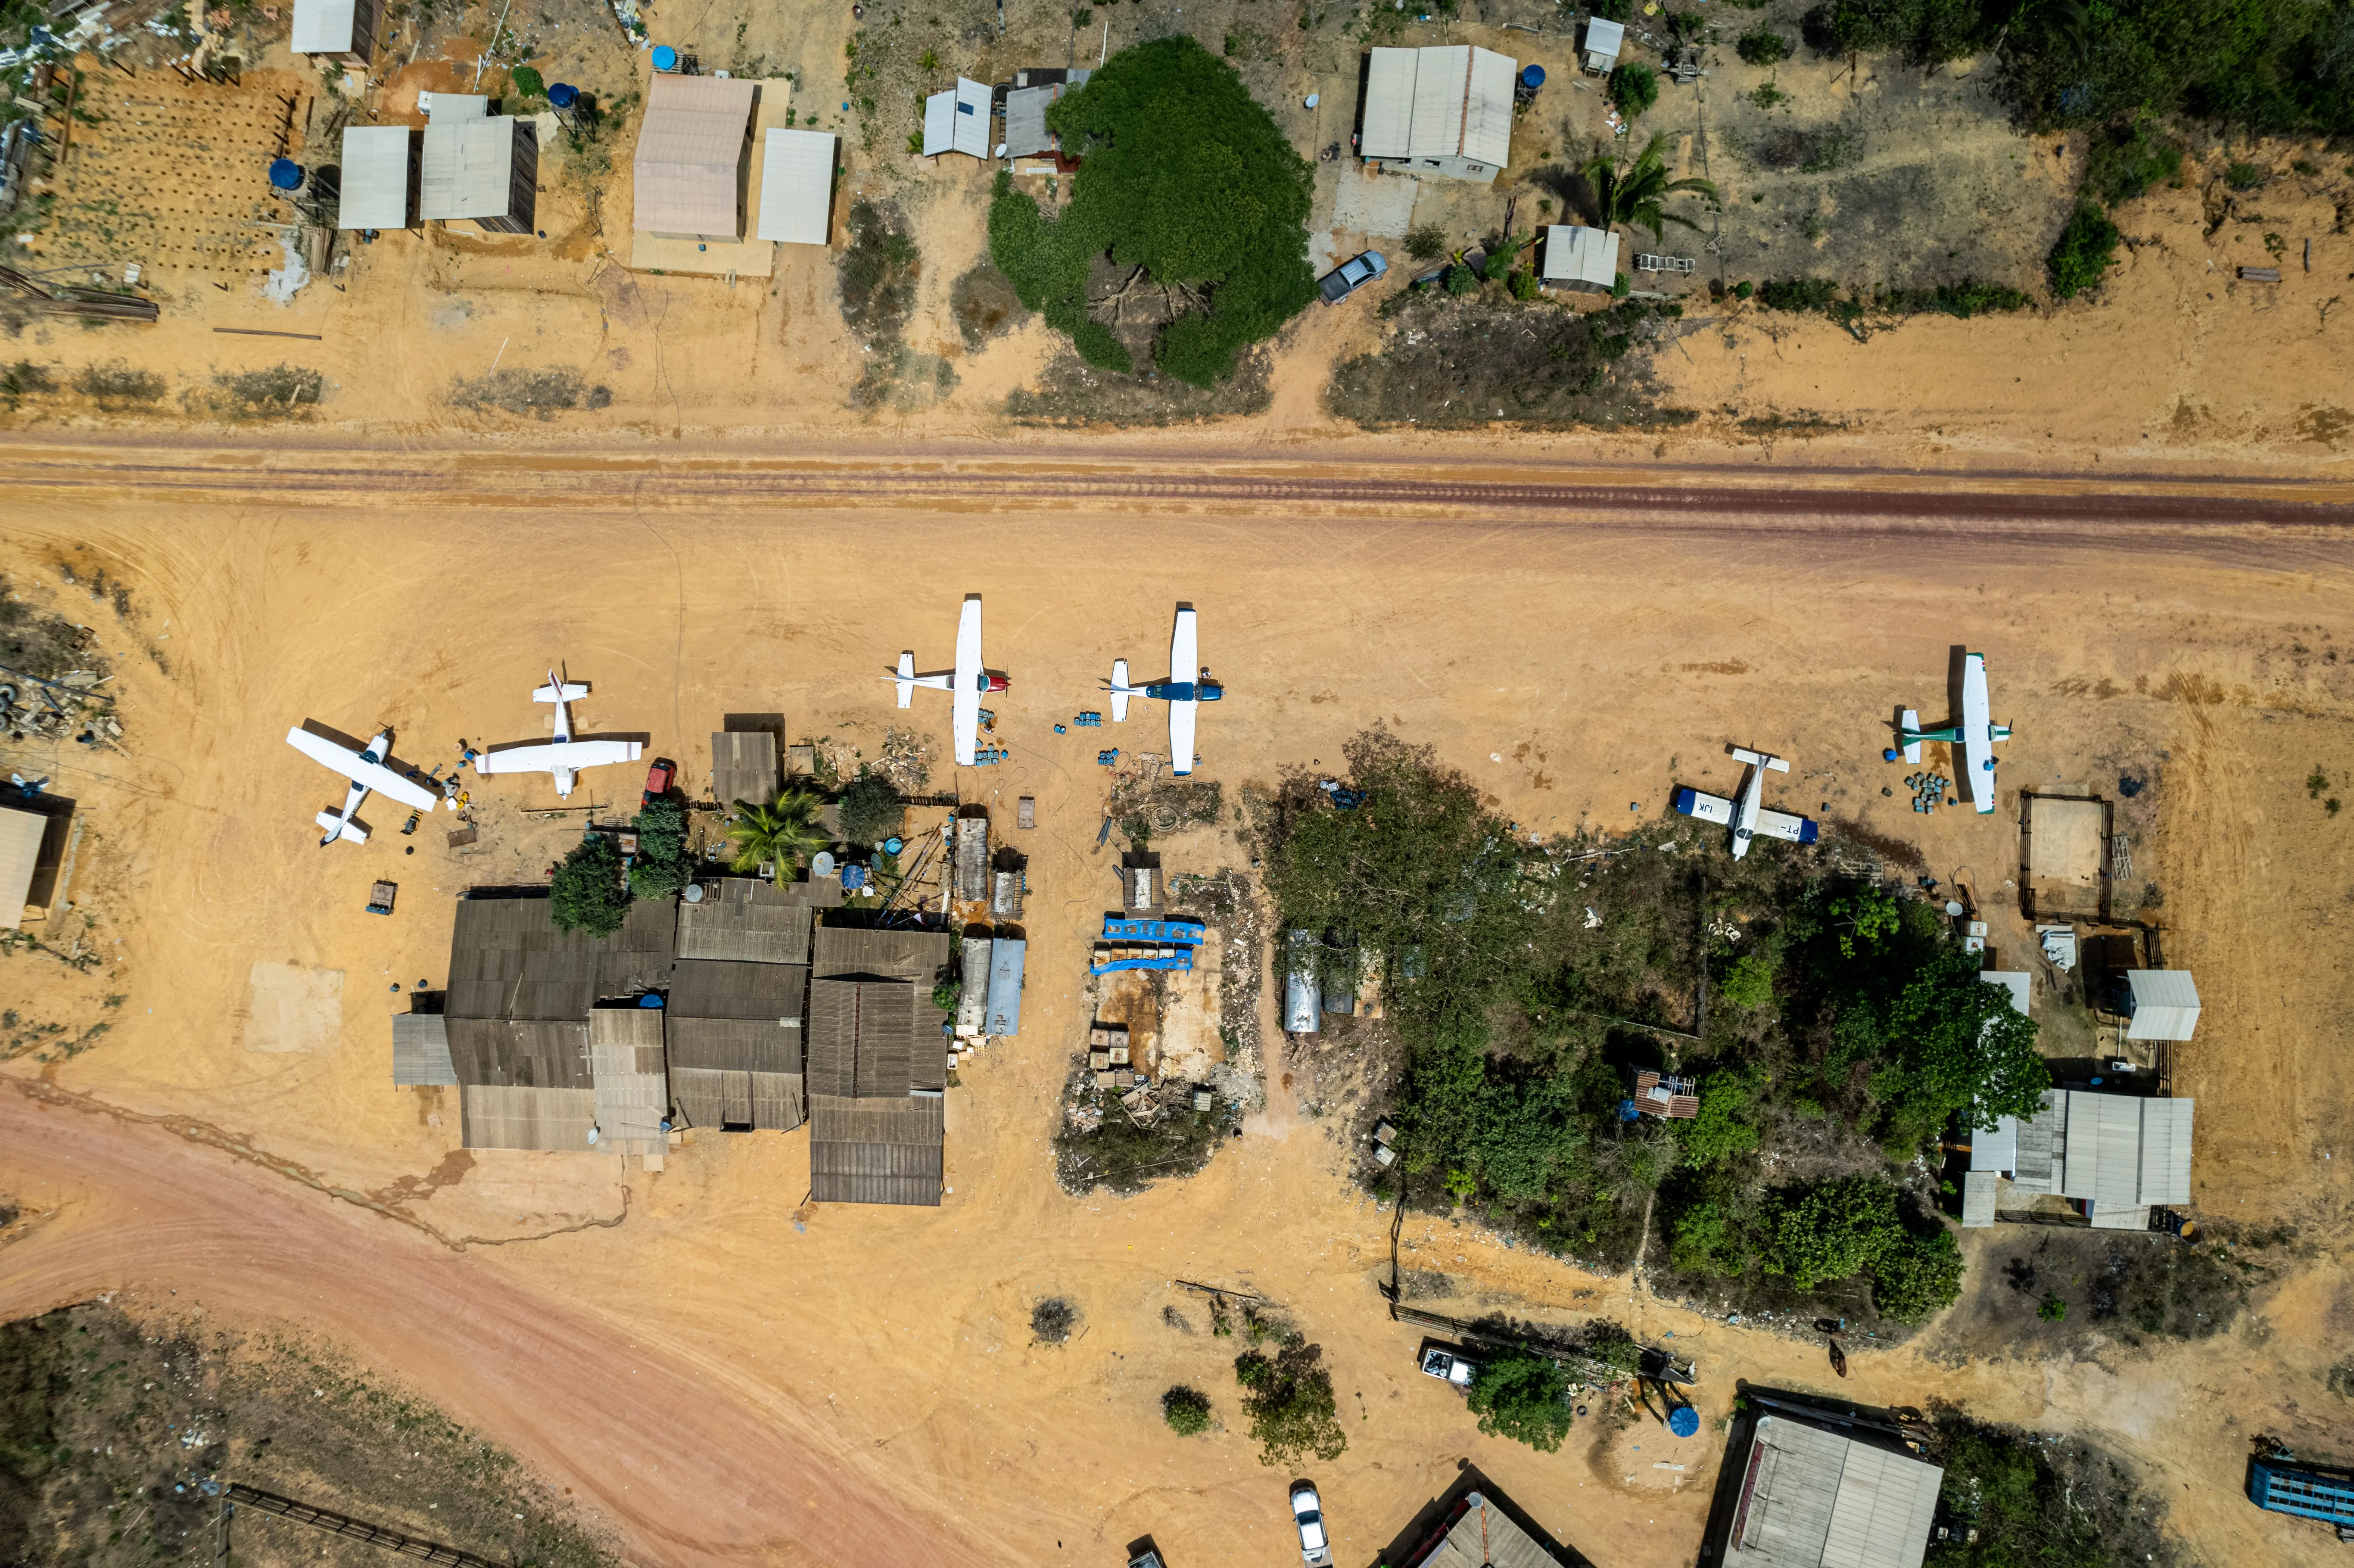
point(561, 95)
point(652, 999)
point(665, 58)
point(286, 173)
point(1683, 1420)
point(1533, 77)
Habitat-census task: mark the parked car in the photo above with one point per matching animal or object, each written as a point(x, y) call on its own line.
point(1449, 1368)
point(1349, 275)
point(658, 779)
point(1308, 1513)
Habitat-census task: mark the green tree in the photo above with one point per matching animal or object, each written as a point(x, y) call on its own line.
point(588, 893)
point(785, 832)
point(1523, 1397)
point(1763, 45)
point(1634, 88)
point(1721, 1130)
point(1635, 195)
point(661, 867)
point(1750, 982)
point(1920, 1276)
point(871, 810)
point(1288, 1398)
point(1958, 1047)
point(1184, 175)
point(1831, 1230)
point(2085, 250)
point(1187, 1411)
point(1708, 1239)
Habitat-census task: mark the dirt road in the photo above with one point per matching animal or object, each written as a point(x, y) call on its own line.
point(877, 1364)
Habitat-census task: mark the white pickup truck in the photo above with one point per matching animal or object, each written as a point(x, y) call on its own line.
point(1449, 1368)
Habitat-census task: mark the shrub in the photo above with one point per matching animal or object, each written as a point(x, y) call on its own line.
point(1799, 294)
point(527, 82)
point(1052, 1320)
point(1426, 242)
point(1634, 88)
point(1750, 982)
point(1461, 279)
point(2051, 1309)
point(871, 810)
point(1720, 1130)
point(1838, 1230)
point(2243, 176)
point(1621, 286)
point(1523, 1397)
point(1763, 45)
point(1743, 289)
point(1187, 1411)
point(587, 893)
point(1288, 1398)
point(660, 866)
point(2125, 161)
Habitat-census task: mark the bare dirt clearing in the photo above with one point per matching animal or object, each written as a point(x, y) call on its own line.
point(836, 1382)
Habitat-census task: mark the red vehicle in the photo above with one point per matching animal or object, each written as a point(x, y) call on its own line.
point(658, 777)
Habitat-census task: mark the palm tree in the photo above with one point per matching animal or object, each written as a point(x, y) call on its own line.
point(1635, 195)
point(786, 832)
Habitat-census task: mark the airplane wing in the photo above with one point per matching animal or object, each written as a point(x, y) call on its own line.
point(967, 659)
point(1184, 649)
point(966, 719)
point(1707, 808)
point(1181, 716)
point(342, 828)
point(1977, 740)
point(1120, 695)
point(551, 756)
point(1782, 825)
point(558, 691)
point(375, 776)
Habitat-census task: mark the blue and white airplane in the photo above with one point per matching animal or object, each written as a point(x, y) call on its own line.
point(366, 770)
point(1747, 817)
point(1183, 691)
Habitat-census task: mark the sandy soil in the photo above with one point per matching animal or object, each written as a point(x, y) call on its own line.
point(728, 1373)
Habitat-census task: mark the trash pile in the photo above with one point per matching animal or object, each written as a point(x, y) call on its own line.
point(52, 710)
point(1928, 790)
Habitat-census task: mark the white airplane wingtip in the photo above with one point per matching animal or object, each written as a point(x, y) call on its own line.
point(1118, 693)
point(906, 678)
point(1911, 747)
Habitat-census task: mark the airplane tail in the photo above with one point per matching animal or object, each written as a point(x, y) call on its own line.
point(340, 827)
point(1119, 692)
point(1759, 759)
point(906, 679)
point(1910, 722)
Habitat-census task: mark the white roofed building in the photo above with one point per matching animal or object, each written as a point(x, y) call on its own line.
point(379, 189)
point(797, 187)
point(1443, 110)
point(2162, 1003)
point(957, 119)
point(481, 168)
point(2114, 1155)
point(1811, 1498)
point(1579, 260)
point(335, 29)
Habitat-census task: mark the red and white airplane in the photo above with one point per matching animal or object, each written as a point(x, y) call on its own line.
point(562, 756)
point(964, 684)
point(366, 770)
point(1747, 817)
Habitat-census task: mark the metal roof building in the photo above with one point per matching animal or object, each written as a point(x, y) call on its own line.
point(796, 190)
point(957, 121)
point(1446, 110)
point(744, 762)
point(1579, 259)
point(876, 1066)
point(973, 1000)
point(336, 29)
point(2165, 1004)
point(379, 186)
point(420, 1050)
point(1005, 959)
point(862, 1037)
point(736, 1043)
point(1478, 1533)
point(2117, 1154)
point(495, 1116)
point(20, 859)
point(688, 175)
point(746, 920)
point(1025, 110)
point(878, 1151)
point(1814, 1498)
point(632, 1092)
point(486, 169)
point(872, 952)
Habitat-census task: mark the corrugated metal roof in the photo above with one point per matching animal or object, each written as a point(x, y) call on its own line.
point(1442, 79)
point(321, 27)
point(469, 167)
point(688, 173)
point(865, 950)
point(509, 1117)
point(2165, 1175)
point(20, 859)
point(1575, 254)
point(876, 1150)
point(956, 119)
point(520, 1053)
point(744, 762)
point(421, 1049)
point(449, 107)
point(737, 1044)
point(1484, 1536)
point(1488, 107)
point(633, 1086)
point(2037, 1168)
point(1388, 130)
point(1026, 119)
point(376, 162)
point(718, 988)
point(1995, 1149)
point(1978, 1198)
point(1812, 1498)
point(707, 1097)
point(861, 1037)
point(744, 919)
point(797, 189)
point(1006, 960)
point(2165, 1004)
point(973, 857)
point(972, 1001)
point(2125, 1152)
point(508, 959)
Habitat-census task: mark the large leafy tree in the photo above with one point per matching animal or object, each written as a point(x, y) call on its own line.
point(786, 831)
point(587, 893)
point(1288, 1398)
point(1183, 175)
point(1635, 195)
point(1523, 1397)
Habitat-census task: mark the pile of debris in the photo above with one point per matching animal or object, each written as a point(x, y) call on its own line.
point(904, 763)
point(34, 709)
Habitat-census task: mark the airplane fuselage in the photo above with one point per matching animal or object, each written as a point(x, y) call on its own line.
point(1183, 691)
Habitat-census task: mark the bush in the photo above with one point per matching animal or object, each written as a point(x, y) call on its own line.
point(1634, 88)
point(661, 868)
point(1750, 982)
point(1799, 294)
point(1288, 1398)
point(1461, 280)
point(2051, 1309)
point(2125, 161)
point(1838, 1230)
point(2243, 176)
point(1187, 1411)
point(871, 810)
point(1763, 45)
point(1720, 1130)
point(587, 893)
point(1743, 289)
point(1052, 1320)
point(527, 82)
point(1523, 1397)
point(1426, 242)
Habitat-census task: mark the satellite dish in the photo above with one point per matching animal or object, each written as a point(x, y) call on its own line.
point(692, 893)
point(822, 864)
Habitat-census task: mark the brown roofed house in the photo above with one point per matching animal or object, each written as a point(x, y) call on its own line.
point(693, 158)
point(736, 1052)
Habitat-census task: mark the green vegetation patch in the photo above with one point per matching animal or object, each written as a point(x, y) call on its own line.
point(1450, 363)
point(590, 893)
point(1288, 1397)
point(1522, 1396)
point(1186, 1410)
point(2085, 250)
point(2016, 1498)
point(1186, 182)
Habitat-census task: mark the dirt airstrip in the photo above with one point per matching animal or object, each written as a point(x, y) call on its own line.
point(724, 1372)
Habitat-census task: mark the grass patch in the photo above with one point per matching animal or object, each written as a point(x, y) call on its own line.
point(116, 385)
point(985, 305)
point(1072, 393)
point(1451, 364)
point(2085, 250)
point(877, 276)
point(543, 393)
point(280, 392)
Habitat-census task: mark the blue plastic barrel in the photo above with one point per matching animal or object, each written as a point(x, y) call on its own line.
point(1533, 77)
point(893, 846)
point(650, 1000)
point(560, 96)
point(665, 58)
point(1683, 1420)
point(285, 174)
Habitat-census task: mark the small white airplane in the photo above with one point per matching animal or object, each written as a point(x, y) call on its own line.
point(1975, 735)
point(1182, 690)
point(563, 756)
point(1747, 817)
point(964, 684)
point(366, 770)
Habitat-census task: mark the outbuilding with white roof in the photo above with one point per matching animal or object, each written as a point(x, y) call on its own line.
point(1578, 259)
point(379, 188)
point(797, 187)
point(2163, 1004)
point(335, 29)
point(688, 175)
point(957, 119)
point(1446, 110)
